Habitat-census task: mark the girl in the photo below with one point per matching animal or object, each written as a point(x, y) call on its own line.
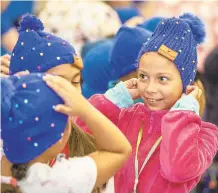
point(39, 51)
point(34, 131)
point(172, 147)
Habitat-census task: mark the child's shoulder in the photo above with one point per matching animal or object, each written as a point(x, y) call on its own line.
point(71, 174)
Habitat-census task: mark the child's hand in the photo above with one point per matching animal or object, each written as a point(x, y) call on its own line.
point(131, 85)
point(5, 63)
point(22, 73)
point(193, 91)
point(75, 103)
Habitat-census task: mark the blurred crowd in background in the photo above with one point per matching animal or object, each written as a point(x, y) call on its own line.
point(92, 27)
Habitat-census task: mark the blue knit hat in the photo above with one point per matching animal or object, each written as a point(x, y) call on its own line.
point(127, 44)
point(89, 45)
point(177, 40)
point(127, 13)
point(96, 73)
point(38, 51)
point(151, 23)
point(30, 125)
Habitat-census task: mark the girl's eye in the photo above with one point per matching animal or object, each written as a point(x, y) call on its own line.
point(76, 83)
point(142, 76)
point(163, 78)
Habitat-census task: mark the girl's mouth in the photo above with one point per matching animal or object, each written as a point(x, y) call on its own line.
point(151, 100)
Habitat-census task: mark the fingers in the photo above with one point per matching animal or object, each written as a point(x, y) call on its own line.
point(134, 81)
point(7, 57)
point(131, 83)
point(193, 91)
point(134, 93)
point(63, 109)
point(4, 75)
point(5, 62)
point(22, 73)
point(190, 88)
point(61, 82)
point(57, 88)
point(4, 70)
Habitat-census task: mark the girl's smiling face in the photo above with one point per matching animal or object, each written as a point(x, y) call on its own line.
point(159, 81)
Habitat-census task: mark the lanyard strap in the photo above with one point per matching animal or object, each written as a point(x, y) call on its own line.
point(137, 173)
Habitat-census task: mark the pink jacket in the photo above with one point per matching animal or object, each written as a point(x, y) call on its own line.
point(185, 152)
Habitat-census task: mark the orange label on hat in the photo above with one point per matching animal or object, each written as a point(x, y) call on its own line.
point(167, 52)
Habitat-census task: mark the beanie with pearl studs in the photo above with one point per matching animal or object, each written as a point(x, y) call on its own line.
point(29, 123)
point(38, 51)
point(177, 40)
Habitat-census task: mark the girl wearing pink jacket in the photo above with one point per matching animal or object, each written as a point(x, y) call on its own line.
point(172, 147)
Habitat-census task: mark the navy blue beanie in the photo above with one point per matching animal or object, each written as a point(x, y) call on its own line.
point(89, 45)
point(127, 44)
point(96, 73)
point(127, 13)
point(38, 51)
point(30, 125)
point(151, 23)
point(177, 40)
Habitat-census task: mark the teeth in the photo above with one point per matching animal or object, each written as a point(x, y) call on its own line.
point(152, 100)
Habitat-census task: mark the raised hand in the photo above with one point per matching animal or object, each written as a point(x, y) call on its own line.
point(194, 91)
point(131, 85)
point(75, 103)
point(5, 63)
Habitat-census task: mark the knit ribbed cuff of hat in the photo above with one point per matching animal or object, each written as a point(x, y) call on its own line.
point(67, 59)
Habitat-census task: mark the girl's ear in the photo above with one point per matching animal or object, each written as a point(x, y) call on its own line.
point(78, 62)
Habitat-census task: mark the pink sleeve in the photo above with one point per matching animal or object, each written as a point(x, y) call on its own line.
point(188, 146)
point(106, 107)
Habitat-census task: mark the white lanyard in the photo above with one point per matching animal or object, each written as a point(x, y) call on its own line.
point(137, 173)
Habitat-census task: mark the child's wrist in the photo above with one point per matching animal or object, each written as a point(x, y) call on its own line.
point(87, 111)
point(187, 102)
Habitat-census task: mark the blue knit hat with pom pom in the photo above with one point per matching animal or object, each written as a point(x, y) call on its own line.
point(38, 51)
point(30, 125)
point(177, 40)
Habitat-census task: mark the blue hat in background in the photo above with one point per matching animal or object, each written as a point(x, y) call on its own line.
point(127, 13)
point(124, 53)
point(30, 125)
point(96, 72)
point(177, 40)
point(151, 23)
point(89, 45)
point(38, 51)
point(11, 15)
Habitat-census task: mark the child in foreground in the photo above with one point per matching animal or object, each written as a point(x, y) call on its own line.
point(172, 146)
point(35, 129)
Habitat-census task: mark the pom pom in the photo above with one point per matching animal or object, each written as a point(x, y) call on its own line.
point(196, 25)
point(7, 91)
point(30, 22)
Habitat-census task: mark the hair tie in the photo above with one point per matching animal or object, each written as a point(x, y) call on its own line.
point(9, 180)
